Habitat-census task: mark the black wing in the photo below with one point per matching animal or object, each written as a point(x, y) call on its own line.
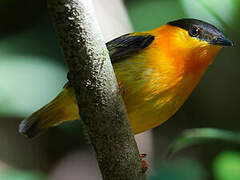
point(127, 45)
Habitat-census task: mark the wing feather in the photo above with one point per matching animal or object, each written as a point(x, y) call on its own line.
point(127, 45)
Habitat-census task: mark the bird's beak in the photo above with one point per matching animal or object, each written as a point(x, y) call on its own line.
point(222, 41)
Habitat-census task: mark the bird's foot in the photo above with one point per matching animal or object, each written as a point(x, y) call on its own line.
point(144, 163)
point(121, 88)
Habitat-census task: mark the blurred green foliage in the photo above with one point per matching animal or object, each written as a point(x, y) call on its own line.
point(222, 13)
point(191, 137)
point(149, 14)
point(22, 175)
point(219, 13)
point(227, 166)
point(31, 83)
point(180, 170)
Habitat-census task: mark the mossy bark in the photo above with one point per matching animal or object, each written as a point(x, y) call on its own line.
point(100, 104)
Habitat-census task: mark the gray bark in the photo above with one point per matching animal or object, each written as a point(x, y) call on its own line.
point(92, 76)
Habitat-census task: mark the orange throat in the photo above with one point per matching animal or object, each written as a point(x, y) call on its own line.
point(175, 69)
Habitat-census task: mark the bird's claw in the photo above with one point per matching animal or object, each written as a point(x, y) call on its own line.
point(144, 163)
point(121, 88)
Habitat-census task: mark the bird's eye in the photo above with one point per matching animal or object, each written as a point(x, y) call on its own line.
point(194, 31)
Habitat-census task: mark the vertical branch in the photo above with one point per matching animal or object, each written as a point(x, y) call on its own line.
point(92, 76)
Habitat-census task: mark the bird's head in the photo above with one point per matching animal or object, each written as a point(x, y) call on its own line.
point(197, 40)
point(201, 33)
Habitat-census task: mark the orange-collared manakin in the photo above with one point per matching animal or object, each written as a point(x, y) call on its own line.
point(158, 69)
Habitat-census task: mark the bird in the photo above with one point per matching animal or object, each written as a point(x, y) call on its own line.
point(158, 69)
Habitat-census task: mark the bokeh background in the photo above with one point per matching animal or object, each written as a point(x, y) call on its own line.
point(32, 72)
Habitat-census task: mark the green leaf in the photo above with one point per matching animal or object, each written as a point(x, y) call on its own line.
point(226, 166)
point(202, 135)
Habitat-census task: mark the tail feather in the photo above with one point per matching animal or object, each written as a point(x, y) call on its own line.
point(62, 108)
point(29, 127)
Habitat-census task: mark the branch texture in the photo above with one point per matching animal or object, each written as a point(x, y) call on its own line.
point(100, 104)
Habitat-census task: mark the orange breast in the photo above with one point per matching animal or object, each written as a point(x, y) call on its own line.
point(160, 79)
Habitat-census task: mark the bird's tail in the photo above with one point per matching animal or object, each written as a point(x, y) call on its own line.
point(62, 108)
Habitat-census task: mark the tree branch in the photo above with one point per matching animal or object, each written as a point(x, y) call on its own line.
point(100, 105)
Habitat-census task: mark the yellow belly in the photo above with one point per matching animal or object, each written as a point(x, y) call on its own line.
point(146, 113)
point(153, 95)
